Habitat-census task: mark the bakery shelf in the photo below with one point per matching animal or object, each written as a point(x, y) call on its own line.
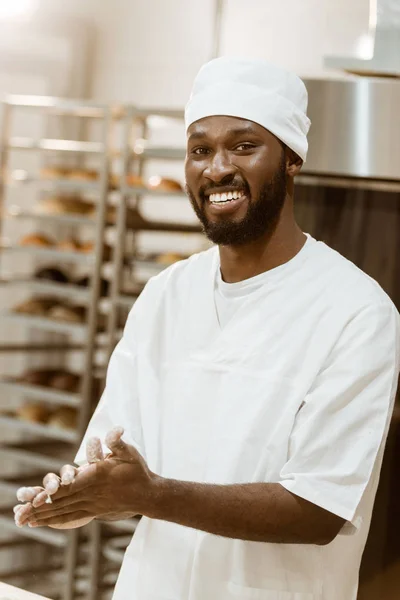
point(47, 455)
point(52, 145)
point(144, 191)
point(61, 106)
point(66, 435)
point(21, 177)
point(165, 113)
point(40, 392)
point(78, 293)
point(159, 152)
point(50, 253)
point(68, 219)
point(44, 323)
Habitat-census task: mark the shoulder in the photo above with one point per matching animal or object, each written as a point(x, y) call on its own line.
point(346, 285)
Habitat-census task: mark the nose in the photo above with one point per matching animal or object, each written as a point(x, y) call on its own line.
point(219, 167)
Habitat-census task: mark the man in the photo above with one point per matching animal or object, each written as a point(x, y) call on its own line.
point(255, 381)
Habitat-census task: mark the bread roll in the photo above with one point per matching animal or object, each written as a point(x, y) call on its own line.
point(64, 381)
point(168, 258)
point(64, 417)
point(163, 184)
point(36, 306)
point(38, 376)
point(36, 239)
point(83, 174)
point(64, 205)
point(53, 172)
point(33, 412)
point(69, 245)
point(69, 314)
point(52, 274)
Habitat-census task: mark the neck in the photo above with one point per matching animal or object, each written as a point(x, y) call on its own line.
point(274, 249)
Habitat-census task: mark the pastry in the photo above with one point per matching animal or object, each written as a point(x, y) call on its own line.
point(34, 412)
point(168, 258)
point(135, 180)
point(64, 417)
point(35, 306)
point(83, 174)
point(38, 376)
point(53, 172)
point(51, 274)
point(163, 184)
point(36, 239)
point(69, 314)
point(64, 205)
point(64, 381)
point(69, 245)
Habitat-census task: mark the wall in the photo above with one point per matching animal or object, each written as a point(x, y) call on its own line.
point(148, 51)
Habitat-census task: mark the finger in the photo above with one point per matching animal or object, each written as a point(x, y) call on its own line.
point(94, 450)
point(83, 479)
point(26, 494)
point(58, 511)
point(21, 517)
point(62, 504)
point(51, 483)
point(67, 473)
point(59, 520)
point(17, 508)
point(42, 498)
point(115, 442)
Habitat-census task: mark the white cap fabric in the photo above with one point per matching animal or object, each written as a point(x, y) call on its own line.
point(255, 90)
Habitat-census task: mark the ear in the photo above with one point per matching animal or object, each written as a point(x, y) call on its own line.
point(293, 163)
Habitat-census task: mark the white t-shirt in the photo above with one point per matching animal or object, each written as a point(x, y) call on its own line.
point(230, 296)
point(297, 388)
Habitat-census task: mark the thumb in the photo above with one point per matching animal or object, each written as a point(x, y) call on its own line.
point(115, 442)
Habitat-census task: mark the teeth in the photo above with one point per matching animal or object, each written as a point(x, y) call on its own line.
point(227, 197)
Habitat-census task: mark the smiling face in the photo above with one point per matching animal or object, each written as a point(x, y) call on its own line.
point(236, 178)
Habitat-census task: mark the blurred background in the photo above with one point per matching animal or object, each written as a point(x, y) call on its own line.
point(92, 205)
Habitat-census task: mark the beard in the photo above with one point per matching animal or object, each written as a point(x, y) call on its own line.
point(261, 217)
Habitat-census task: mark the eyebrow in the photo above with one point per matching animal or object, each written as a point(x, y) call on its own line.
point(234, 132)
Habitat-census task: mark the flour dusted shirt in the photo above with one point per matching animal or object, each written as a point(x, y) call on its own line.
point(297, 387)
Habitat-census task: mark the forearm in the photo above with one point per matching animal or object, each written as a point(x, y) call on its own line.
point(260, 512)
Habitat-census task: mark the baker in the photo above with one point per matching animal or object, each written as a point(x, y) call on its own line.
point(255, 381)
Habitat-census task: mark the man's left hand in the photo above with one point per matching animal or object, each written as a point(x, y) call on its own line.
point(118, 487)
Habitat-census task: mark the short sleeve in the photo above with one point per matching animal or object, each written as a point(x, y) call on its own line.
point(119, 405)
point(340, 431)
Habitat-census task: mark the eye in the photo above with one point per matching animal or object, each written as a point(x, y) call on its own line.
point(245, 146)
point(199, 151)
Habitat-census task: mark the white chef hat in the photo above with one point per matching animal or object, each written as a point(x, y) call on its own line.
point(255, 90)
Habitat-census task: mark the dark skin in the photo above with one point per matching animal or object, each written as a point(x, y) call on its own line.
point(124, 484)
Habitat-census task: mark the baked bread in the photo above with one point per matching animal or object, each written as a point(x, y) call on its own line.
point(36, 239)
point(40, 377)
point(64, 205)
point(53, 172)
point(65, 381)
point(69, 314)
point(35, 306)
point(168, 258)
point(33, 412)
point(69, 245)
point(83, 174)
point(64, 417)
point(52, 274)
point(163, 184)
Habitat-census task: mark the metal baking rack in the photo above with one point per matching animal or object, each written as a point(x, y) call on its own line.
point(39, 443)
